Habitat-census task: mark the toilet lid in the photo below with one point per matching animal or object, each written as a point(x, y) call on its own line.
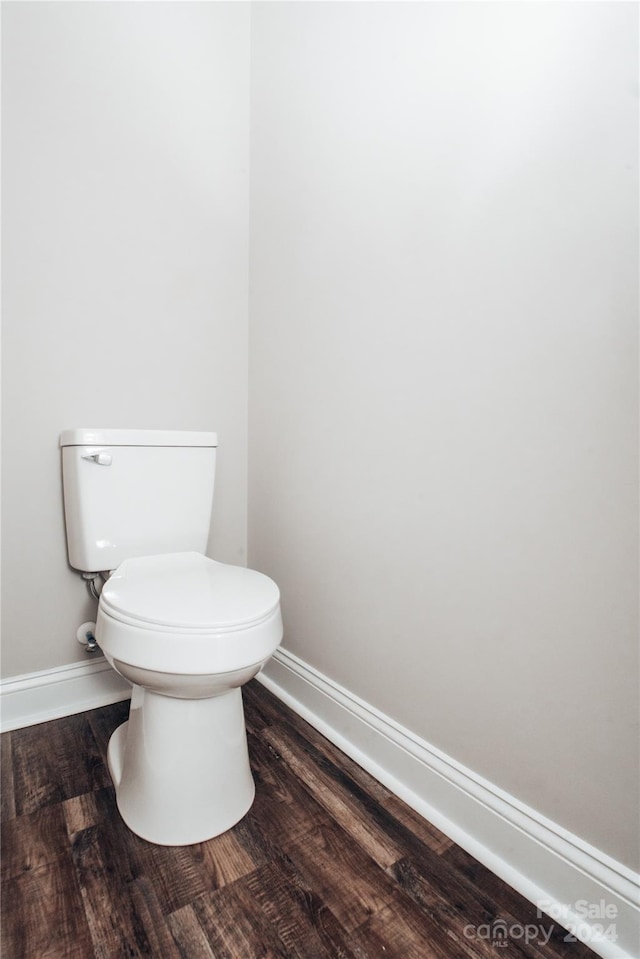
point(188, 591)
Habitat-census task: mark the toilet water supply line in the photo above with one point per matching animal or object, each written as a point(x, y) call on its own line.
point(85, 634)
point(90, 580)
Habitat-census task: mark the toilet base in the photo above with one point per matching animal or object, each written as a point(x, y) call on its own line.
point(181, 767)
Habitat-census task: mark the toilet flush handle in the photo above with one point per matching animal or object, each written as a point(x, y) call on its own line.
point(102, 459)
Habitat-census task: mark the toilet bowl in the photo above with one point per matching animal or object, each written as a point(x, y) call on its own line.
point(187, 632)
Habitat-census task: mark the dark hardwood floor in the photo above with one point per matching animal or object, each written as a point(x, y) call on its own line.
point(327, 864)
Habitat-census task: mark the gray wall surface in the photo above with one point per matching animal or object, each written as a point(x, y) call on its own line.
point(443, 379)
point(125, 228)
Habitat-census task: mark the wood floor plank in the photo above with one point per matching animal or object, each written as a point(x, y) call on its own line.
point(261, 708)
point(55, 761)
point(42, 915)
point(303, 922)
point(236, 926)
point(396, 932)
point(258, 843)
point(188, 935)
point(7, 796)
point(283, 806)
point(509, 901)
point(176, 871)
point(344, 877)
point(179, 874)
point(35, 775)
point(33, 840)
point(274, 713)
point(83, 811)
point(147, 908)
point(420, 827)
point(229, 857)
point(363, 817)
point(115, 926)
point(326, 783)
point(429, 834)
point(183, 873)
point(104, 721)
point(464, 911)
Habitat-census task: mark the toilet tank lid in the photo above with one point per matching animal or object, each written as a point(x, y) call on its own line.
point(100, 437)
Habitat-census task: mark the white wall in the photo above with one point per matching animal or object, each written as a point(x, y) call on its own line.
point(443, 379)
point(125, 228)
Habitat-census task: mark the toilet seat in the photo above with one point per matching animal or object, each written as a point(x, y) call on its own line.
point(188, 592)
point(186, 614)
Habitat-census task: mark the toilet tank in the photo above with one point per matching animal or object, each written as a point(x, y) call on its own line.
point(135, 493)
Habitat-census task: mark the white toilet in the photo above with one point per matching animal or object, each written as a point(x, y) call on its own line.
point(186, 631)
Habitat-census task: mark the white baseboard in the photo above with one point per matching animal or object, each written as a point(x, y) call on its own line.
point(63, 691)
point(548, 865)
